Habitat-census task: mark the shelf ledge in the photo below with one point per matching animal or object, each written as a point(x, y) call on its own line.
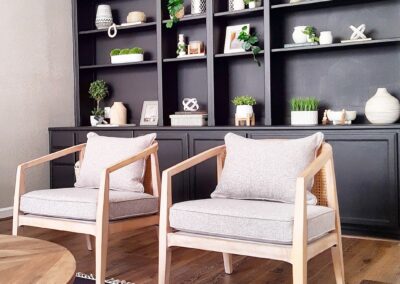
point(189, 18)
point(102, 66)
point(239, 13)
point(223, 55)
point(180, 59)
point(134, 27)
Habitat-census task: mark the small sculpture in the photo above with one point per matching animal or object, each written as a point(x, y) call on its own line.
point(358, 34)
point(342, 117)
point(181, 49)
point(190, 105)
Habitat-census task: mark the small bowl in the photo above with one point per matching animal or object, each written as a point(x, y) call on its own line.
point(336, 116)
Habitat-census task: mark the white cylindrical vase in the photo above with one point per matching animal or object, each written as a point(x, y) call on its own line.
point(198, 7)
point(326, 37)
point(382, 108)
point(304, 118)
point(104, 18)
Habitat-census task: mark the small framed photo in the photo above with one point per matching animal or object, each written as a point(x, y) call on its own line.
point(232, 43)
point(149, 113)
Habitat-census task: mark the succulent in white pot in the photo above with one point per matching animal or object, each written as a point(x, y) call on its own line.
point(127, 55)
point(304, 111)
point(98, 91)
point(244, 106)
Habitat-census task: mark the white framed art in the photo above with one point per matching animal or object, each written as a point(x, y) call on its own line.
point(232, 43)
point(149, 115)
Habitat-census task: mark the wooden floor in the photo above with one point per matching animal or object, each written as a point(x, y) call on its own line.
point(133, 257)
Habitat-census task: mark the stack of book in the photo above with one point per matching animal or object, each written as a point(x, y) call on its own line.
point(189, 118)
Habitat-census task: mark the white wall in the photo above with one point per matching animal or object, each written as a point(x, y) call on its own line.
point(36, 84)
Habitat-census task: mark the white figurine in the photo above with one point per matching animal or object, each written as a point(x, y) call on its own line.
point(358, 34)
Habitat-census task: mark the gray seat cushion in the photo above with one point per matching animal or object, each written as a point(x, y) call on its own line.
point(252, 220)
point(81, 203)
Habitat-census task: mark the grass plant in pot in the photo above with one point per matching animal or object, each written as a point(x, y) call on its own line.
point(127, 55)
point(304, 111)
point(98, 91)
point(244, 106)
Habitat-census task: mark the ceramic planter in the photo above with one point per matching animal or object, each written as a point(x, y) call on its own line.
point(198, 7)
point(118, 114)
point(104, 18)
point(304, 117)
point(326, 37)
point(252, 5)
point(382, 108)
point(126, 58)
point(96, 120)
point(236, 5)
point(298, 35)
point(244, 111)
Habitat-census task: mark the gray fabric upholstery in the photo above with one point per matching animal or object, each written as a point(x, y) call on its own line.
point(266, 169)
point(102, 152)
point(253, 220)
point(81, 203)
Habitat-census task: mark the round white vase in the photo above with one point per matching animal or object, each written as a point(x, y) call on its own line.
point(243, 111)
point(118, 114)
point(304, 117)
point(104, 18)
point(326, 37)
point(298, 34)
point(382, 108)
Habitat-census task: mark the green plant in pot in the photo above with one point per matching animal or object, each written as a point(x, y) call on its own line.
point(176, 11)
point(304, 111)
point(244, 106)
point(98, 91)
point(127, 55)
point(250, 43)
point(312, 35)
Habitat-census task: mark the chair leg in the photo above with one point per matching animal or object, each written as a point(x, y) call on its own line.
point(89, 242)
point(338, 263)
point(300, 271)
point(157, 231)
point(164, 263)
point(228, 263)
point(15, 227)
point(101, 257)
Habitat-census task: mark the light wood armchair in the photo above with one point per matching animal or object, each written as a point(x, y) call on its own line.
point(102, 227)
point(298, 253)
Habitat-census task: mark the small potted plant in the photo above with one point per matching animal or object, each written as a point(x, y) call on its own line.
point(127, 55)
point(98, 91)
point(176, 11)
point(244, 106)
point(304, 111)
point(311, 34)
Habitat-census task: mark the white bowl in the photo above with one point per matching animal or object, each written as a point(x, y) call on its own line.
point(336, 116)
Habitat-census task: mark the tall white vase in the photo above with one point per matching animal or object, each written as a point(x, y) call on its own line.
point(104, 18)
point(382, 108)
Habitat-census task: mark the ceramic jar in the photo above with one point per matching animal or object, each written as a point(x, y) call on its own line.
point(198, 7)
point(236, 5)
point(304, 117)
point(136, 17)
point(244, 111)
point(104, 18)
point(118, 114)
point(298, 35)
point(326, 37)
point(382, 108)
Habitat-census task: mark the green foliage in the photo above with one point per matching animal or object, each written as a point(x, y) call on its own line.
point(310, 31)
point(98, 91)
point(247, 2)
point(124, 51)
point(250, 43)
point(115, 52)
point(181, 47)
point(244, 101)
point(173, 6)
point(136, 50)
point(304, 104)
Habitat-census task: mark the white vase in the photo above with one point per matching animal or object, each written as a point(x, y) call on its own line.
point(252, 4)
point(298, 34)
point(258, 3)
point(326, 37)
point(96, 120)
point(104, 18)
point(118, 114)
point(244, 111)
point(198, 7)
point(382, 108)
point(126, 58)
point(236, 5)
point(304, 117)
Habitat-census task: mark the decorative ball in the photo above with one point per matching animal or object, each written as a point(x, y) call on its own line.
point(136, 16)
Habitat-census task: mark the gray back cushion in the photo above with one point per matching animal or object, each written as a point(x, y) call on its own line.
point(266, 169)
point(102, 152)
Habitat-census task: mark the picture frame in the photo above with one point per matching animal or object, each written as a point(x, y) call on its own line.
point(232, 44)
point(149, 115)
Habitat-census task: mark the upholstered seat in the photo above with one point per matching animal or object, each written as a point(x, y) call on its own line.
point(81, 203)
point(260, 221)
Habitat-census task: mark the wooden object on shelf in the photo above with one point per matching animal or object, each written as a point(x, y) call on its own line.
point(27, 260)
point(250, 120)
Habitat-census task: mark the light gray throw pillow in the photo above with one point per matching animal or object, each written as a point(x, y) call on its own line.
point(102, 152)
point(266, 169)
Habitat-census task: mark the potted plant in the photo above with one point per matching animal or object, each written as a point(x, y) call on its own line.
point(98, 91)
point(126, 55)
point(244, 106)
point(176, 11)
point(310, 32)
point(250, 43)
point(251, 3)
point(304, 111)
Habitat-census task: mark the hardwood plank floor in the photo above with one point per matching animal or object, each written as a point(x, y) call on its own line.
point(133, 257)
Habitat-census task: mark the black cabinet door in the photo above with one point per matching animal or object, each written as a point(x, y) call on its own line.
point(173, 149)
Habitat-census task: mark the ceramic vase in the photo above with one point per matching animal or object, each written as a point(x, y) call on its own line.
point(198, 7)
point(252, 4)
point(304, 117)
point(104, 18)
point(298, 35)
point(181, 48)
point(244, 111)
point(382, 108)
point(236, 5)
point(326, 37)
point(118, 114)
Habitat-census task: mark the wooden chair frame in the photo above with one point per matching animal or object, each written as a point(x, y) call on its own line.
point(102, 227)
point(298, 253)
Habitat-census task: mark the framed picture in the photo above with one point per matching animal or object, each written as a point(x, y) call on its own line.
point(149, 113)
point(232, 43)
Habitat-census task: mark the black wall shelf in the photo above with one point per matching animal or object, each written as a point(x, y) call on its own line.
point(149, 62)
point(122, 28)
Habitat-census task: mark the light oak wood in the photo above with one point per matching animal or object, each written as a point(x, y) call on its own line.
point(26, 260)
point(298, 253)
point(102, 227)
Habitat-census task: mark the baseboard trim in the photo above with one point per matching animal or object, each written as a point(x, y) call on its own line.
point(6, 212)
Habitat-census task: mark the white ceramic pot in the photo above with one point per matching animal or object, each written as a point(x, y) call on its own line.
point(326, 37)
point(104, 18)
point(252, 4)
point(126, 58)
point(96, 120)
point(236, 5)
point(198, 7)
point(336, 116)
point(258, 3)
point(382, 108)
point(118, 114)
point(244, 111)
point(304, 117)
point(298, 35)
